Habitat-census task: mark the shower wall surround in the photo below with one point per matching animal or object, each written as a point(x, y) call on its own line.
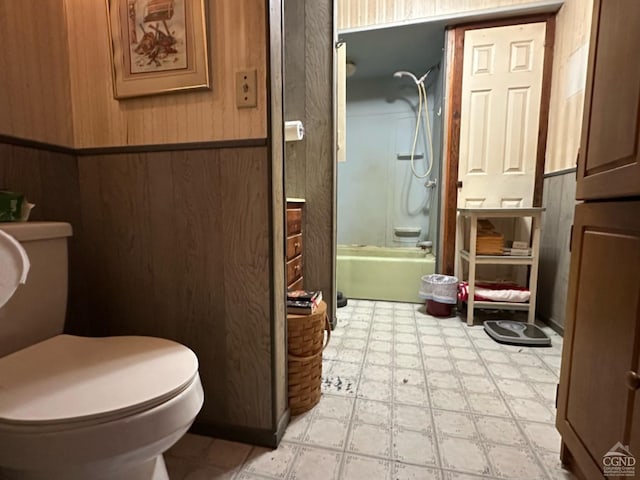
point(376, 189)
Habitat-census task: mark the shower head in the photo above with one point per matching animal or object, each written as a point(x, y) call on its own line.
point(403, 73)
point(418, 81)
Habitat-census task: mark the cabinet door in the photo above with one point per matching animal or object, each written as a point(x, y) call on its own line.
point(609, 164)
point(601, 332)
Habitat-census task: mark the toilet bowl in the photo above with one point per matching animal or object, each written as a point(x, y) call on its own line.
point(75, 408)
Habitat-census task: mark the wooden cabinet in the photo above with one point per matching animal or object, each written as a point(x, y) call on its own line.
point(295, 244)
point(597, 406)
point(598, 398)
point(609, 164)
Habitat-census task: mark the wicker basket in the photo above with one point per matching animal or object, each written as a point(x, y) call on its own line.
point(305, 340)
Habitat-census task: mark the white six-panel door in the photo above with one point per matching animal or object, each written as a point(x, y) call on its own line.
point(501, 89)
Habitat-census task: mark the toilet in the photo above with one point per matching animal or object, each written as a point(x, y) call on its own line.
point(80, 408)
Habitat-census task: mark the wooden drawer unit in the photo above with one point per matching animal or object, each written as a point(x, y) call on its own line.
point(294, 245)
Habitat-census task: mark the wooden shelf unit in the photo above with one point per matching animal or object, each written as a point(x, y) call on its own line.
point(470, 256)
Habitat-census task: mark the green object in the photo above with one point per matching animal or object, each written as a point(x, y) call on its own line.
point(10, 206)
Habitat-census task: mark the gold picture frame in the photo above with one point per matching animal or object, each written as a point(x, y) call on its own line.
point(157, 46)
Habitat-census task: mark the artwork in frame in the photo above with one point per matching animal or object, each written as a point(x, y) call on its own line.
point(157, 46)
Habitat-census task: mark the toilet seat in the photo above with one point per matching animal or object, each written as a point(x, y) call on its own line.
point(68, 381)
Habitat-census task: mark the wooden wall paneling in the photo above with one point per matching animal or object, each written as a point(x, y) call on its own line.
point(277, 213)
point(309, 164)
point(245, 220)
point(237, 32)
point(177, 246)
point(295, 94)
point(34, 71)
point(50, 180)
point(319, 156)
point(362, 13)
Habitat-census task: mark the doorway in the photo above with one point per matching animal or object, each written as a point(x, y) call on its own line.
point(388, 186)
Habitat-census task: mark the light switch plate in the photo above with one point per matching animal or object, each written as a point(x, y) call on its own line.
point(246, 89)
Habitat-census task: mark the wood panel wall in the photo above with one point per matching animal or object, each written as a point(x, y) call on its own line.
point(362, 13)
point(310, 163)
point(573, 30)
point(50, 181)
point(278, 222)
point(35, 95)
point(238, 41)
point(177, 245)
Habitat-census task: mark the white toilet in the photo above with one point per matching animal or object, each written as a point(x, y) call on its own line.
point(78, 408)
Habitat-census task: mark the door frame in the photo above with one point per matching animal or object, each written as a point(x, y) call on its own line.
point(452, 126)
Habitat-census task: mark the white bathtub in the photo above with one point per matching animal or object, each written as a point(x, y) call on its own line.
point(380, 273)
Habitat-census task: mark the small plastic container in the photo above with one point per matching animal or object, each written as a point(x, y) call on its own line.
point(441, 294)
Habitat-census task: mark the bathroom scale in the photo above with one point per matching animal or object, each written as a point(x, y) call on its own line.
point(516, 333)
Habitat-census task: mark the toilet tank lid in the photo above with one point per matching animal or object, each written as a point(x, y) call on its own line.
point(29, 231)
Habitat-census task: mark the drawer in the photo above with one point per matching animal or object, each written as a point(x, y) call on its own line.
point(294, 221)
point(294, 269)
point(297, 285)
point(294, 246)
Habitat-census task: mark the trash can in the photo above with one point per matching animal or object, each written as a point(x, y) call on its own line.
point(440, 293)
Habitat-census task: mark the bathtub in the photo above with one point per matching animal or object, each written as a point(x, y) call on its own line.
point(380, 273)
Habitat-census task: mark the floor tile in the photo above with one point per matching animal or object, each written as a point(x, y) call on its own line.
point(542, 436)
point(448, 399)
point(206, 472)
point(531, 410)
point(538, 374)
point(487, 404)
point(380, 346)
point(407, 349)
point(516, 389)
point(373, 413)
point(414, 447)
point(326, 432)
point(442, 380)
point(364, 468)
point(298, 424)
point(379, 358)
point(477, 384)
point(456, 424)
point(406, 361)
point(410, 394)
point(331, 406)
point(463, 354)
point(506, 371)
point(406, 396)
point(464, 456)
point(403, 471)
point(412, 418)
point(370, 440)
point(435, 351)
point(438, 365)
point(373, 390)
point(512, 462)
point(553, 466)
point(316, 464)
point(406, 376)
point(500, 431)
point(382, 335)
point(379, 373)
point(468, 367)
point(191, 446)
point(275, 463)
point(227, 455)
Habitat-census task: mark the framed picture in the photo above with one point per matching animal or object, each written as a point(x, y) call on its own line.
point(157, 46)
